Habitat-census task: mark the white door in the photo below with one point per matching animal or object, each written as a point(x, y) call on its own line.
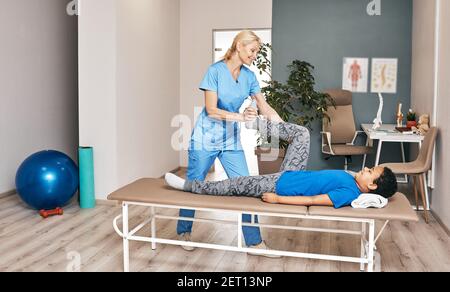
point(223, 40)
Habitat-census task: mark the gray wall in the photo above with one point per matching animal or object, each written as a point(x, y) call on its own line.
point(38, 82)
point(323, 32)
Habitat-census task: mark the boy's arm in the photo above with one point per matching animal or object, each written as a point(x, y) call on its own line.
point(319, 200)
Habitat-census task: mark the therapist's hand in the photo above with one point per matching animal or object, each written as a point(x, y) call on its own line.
point(250, 114)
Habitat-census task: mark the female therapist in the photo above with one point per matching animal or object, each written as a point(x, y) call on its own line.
point(226, 85)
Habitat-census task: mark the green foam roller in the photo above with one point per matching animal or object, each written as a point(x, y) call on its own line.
point(86, 167)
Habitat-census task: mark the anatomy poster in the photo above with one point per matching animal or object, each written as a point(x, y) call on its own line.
point(355, 74)
point(384, 75)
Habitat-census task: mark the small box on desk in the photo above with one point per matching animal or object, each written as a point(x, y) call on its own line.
point(405, 130)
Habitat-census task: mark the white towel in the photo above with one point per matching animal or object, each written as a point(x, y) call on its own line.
point(369, 201)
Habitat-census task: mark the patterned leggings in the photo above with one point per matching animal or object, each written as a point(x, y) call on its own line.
point(296, 158)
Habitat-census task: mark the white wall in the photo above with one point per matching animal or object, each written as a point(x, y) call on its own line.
point(441, 195)
point(97, 89)
point(141, 62)
point(148, 87)
point(129, 88)
point(423, 53)
point(198, 20)
point(38, 82)
point(422, 81)
point(423, 92)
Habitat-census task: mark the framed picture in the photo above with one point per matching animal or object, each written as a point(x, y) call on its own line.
point(355, 74)
point(384, 75)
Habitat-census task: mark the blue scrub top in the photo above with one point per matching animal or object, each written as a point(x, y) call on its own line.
point(211, 134)
point(340, 186)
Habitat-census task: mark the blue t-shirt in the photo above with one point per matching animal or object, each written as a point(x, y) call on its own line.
point(212, 134)
point(339, 185)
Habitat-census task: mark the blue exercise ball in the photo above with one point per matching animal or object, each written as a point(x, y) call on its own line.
point(47, 179)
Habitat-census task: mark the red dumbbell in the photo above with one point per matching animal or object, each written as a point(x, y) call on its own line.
point(48, 213)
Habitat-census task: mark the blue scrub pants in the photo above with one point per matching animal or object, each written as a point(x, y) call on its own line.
point(235, 165)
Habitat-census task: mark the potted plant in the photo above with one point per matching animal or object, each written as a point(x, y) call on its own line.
point(295, 101)
point(411, 119)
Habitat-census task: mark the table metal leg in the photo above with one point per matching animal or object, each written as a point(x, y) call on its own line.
point(371, 251)
point(239, 226)
point(362, 266)
point(402, 146)
point(126, 251)
point(365, 155)
point(377, 159)
point(153, 226)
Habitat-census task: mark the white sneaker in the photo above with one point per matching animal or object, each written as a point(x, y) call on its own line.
point(186, 237)
point(263, 245)
point(174, 181)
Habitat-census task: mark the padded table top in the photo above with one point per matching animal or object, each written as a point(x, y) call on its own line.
point(398, 209)
point(154, 191)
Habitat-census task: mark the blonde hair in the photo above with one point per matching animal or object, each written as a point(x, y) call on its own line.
point(245, 37)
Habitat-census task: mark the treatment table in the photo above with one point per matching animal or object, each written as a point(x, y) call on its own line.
point(153, 193)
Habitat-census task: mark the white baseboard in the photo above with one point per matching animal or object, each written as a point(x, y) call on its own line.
point(8, 193)
point(446, 229)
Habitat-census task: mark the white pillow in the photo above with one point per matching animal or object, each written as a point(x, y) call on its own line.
point(365, 201)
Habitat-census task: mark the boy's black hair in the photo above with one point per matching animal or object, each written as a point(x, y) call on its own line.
point(386, 184)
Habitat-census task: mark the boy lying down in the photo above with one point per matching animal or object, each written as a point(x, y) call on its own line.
point(294, 185)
